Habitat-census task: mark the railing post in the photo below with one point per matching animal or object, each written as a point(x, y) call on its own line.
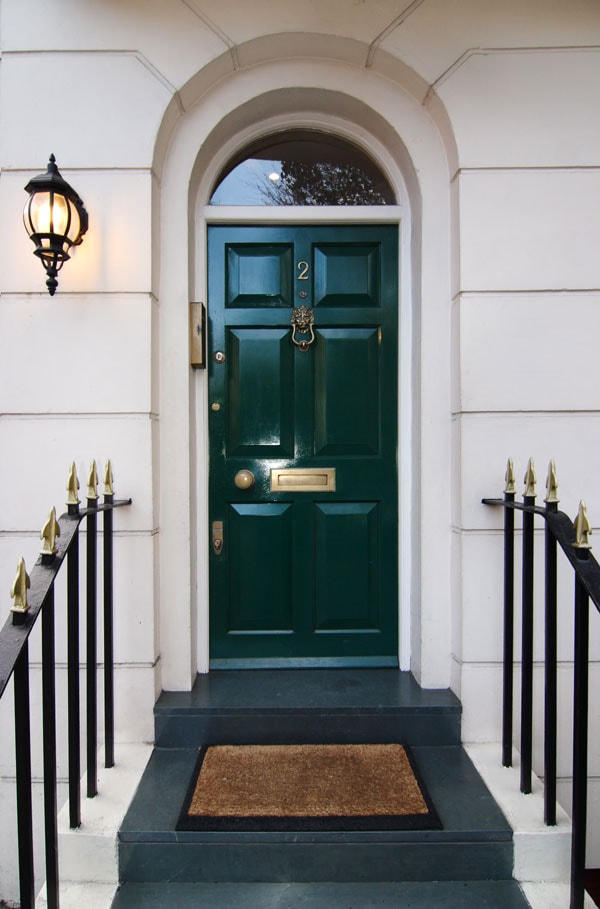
point(50, 531)
point(49, 732)
point(74, 723)
point(23, 773)
point(580, 718)
point(109, 695)
point(527, 634)
point(91, 636)
point(551, 653)
point(509, 617)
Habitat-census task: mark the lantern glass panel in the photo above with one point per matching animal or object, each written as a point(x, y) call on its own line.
point(74, 228)
point(60, 215)
point(40, 213)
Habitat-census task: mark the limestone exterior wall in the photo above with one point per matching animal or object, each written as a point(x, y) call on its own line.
point(496, 110)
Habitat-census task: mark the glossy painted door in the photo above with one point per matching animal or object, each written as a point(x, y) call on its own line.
point(303, 566)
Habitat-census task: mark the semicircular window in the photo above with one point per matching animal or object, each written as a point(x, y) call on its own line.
point(302, 168)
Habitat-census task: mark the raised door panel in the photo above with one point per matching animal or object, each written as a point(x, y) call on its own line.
point(347, 274)
point(347, 399)
point(258, 275)
point(347, 567)
point(260, 395)
point(259, 561)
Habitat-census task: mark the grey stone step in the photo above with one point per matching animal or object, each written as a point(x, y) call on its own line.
point(422, 895)
point(474, 844)
point(307, 706)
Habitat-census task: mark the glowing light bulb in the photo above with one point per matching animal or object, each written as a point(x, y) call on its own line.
point(274, 177)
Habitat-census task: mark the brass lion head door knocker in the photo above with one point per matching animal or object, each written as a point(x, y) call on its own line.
point(302, 321)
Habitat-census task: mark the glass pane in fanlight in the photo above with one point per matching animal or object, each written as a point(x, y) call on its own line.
point(302, 167)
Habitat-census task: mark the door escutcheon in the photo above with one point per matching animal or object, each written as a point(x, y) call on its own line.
point(217, 537)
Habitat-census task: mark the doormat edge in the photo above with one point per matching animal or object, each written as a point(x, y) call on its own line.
point(405, 822)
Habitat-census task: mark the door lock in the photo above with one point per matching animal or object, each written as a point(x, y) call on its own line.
point(217, 537)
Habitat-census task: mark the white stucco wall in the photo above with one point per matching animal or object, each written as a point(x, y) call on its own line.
point(489, 116)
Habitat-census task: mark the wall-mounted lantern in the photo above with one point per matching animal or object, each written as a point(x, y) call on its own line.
point(55, 219)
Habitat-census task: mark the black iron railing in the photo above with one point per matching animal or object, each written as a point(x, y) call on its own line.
point(35, 596)
point(572, 538)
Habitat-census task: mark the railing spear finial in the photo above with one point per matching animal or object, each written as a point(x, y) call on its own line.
point(509, 478)
point(18, 592)
point(530, 480)
point(108, 479)
point(50, 531)
point(551, 485)
point(73, 490)
point(583, 528)
point(92, 482)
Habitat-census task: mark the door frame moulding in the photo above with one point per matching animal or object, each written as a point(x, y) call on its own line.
point(394, 129)
point(207, 215)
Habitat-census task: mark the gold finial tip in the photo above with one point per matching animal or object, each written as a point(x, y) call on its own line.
point(73, 486)
point(551, 484)
point(108, 479)
point(19, 588)
point(583, 528)
point(509, 477)
point(92, 482)
point(50, 531)
point(530, 479)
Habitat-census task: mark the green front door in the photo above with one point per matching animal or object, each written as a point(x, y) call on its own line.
point(303, 441)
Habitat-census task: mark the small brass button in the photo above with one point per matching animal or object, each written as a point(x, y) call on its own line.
point(215, 406)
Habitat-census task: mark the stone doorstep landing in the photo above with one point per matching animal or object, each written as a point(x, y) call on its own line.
point(304, 706)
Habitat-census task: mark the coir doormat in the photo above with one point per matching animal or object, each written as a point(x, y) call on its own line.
point(307, 787)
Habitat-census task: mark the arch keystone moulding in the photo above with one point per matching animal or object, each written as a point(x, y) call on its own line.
point(394, 129)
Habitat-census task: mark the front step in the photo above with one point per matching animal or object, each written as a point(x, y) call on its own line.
point(430, 895)
point(311, 706)
point(474, 844)
point(307, 706)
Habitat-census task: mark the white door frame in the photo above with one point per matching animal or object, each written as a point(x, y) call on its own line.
point(393, 127)
point(381, 214)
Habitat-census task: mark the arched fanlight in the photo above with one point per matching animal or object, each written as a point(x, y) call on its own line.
point(55, 219)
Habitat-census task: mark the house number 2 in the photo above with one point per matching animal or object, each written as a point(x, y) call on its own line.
point(302, 271)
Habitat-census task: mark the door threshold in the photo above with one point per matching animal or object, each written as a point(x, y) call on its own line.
point(383, 662)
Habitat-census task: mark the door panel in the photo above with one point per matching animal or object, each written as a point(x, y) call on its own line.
point(307, 573)
point(347, 275)
point(261, 561)
point(346, 577)
point(347, 406)
point(260, 421)
point(259, 275)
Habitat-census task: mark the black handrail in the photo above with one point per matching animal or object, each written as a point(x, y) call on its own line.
point(572, 538)
point(14, 663)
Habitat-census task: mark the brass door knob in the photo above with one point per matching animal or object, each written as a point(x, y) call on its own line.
point(244, 479)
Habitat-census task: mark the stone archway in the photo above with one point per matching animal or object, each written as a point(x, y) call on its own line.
point(405, 142)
